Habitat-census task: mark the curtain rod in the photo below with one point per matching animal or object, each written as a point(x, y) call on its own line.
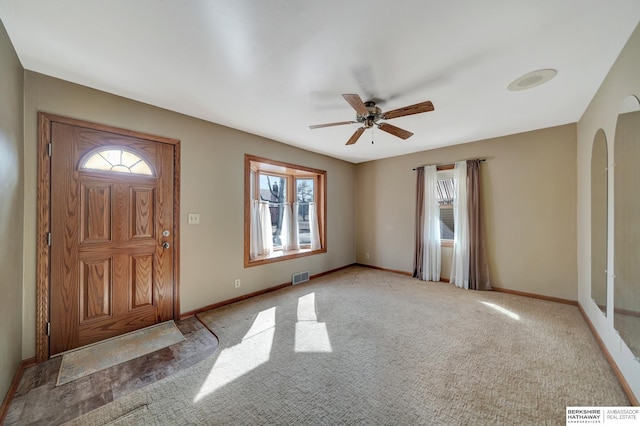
point(448, 164)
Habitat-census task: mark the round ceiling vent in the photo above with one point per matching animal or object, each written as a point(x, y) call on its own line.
point(532, 79)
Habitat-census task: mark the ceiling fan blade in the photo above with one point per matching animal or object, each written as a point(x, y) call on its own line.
point(409, 110)
point(356, 103)
point(339, 123)
point(395, 131)
point(356, 135)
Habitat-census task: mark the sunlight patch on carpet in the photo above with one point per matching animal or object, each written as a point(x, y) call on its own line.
point(307, 308)
point(90, 359)
point(311, 335)
point(502, 310)
point(238, 360)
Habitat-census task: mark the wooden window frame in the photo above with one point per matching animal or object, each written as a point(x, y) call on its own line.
point(291, 172)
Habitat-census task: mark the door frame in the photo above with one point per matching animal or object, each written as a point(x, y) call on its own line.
point(43, 226)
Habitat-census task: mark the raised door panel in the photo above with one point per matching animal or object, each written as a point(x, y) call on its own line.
point(95, 212)
point(95, 290)
point(142, 281)
point(142, 209)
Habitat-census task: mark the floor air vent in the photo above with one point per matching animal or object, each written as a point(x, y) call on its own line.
point(300, 277)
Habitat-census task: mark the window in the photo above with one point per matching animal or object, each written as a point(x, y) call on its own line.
point(285, 211)
point(304, 196)
point(273, 189)
point(444, 192)
point(116, 160)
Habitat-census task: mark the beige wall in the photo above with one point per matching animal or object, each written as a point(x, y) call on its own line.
point(11, 209)
point(529, 205)
point(622, 80)
point(212, 184)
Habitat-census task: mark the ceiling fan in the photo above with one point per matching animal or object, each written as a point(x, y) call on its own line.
point(368, 114)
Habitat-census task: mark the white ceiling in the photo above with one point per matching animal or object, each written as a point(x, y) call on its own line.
point(274, 67)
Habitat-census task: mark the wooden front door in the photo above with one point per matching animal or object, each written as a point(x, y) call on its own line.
point(112, 233)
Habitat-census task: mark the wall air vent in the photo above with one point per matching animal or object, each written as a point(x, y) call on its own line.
point(300, 277)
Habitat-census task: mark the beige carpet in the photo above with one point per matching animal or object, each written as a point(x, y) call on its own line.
point(89, 359)
point(369, 347)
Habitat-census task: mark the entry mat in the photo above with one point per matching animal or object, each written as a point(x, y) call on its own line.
point(99, 356)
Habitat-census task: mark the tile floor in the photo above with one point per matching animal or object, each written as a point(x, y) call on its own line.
point(39, 401)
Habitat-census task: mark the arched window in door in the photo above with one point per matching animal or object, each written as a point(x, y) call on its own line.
point(116, 160)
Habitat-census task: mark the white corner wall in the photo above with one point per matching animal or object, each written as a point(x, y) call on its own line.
point(623, 80)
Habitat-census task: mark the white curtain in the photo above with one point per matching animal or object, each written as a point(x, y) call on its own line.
point(460, 264)
point(295, 227)
point(261, 235)
point(314, 229)
point(432, 250)
point(256, 234)
point(286, 233)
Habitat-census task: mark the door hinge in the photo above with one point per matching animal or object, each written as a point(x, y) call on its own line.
point(49, 149)
point(48, 329)
point(49, 239)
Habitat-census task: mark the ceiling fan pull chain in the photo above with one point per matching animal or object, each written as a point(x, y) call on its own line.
point(371, 135)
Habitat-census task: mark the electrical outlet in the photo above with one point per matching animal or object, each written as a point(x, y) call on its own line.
point(366, 255)
point(193, 218)
point(236, 284)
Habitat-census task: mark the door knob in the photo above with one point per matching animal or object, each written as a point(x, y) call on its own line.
point(166, 245)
